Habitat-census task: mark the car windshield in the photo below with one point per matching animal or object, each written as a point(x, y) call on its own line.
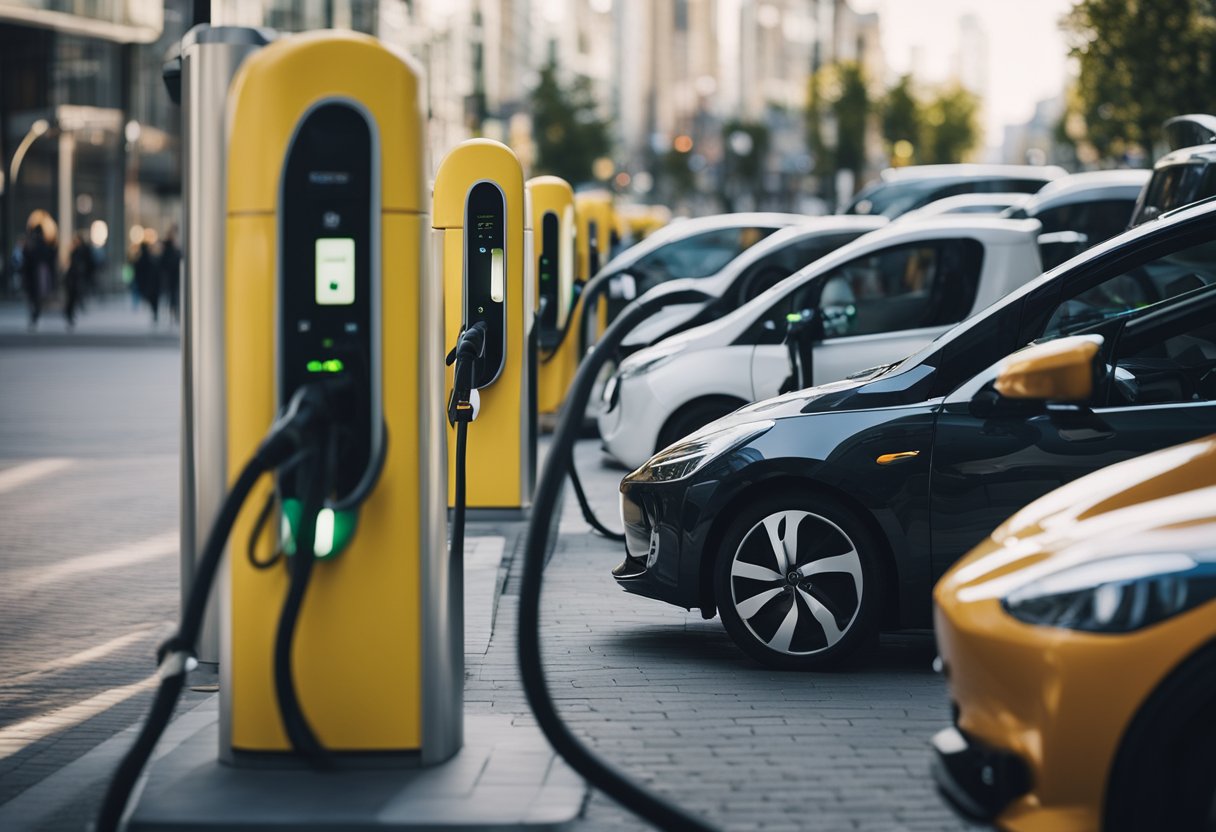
point(890, 199)
point(696, 256)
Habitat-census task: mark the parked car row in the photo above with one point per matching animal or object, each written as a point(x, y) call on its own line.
point(911, 389)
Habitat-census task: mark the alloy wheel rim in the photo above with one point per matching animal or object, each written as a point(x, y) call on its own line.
point(796, 582)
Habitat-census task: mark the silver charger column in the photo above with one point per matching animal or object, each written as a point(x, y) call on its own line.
point(210, 58)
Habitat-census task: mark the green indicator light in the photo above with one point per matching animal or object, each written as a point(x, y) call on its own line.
point(793, 316)
point(333, 533)
point(330, 365)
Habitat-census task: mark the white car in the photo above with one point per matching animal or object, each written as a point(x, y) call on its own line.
point(872, 302)
point(692, 248)
point(756, 270)
point(900, 190)
point(981, 203)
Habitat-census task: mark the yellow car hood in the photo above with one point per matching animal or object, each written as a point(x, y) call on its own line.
point(1163, 501)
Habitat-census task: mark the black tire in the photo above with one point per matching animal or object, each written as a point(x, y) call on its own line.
point(694, 416)
point(1164, 774)
point(789, 621)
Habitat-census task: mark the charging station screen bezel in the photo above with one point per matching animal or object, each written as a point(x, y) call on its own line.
point(330, 192)
point(486, 276)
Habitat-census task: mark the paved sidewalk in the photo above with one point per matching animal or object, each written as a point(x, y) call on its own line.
point(107, 320)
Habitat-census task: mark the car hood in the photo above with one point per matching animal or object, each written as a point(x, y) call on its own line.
point(1160, 502)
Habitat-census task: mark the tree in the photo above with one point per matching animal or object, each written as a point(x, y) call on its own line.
point(851, 109)
point(1140, 63)
point(566, 127)
point(950, 129)
point(902, 118)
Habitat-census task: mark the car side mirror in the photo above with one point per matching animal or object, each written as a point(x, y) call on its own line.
point(1057, 246)
point(1066, 370)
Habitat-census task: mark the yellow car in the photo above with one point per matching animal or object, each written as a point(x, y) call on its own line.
point(1079, 642)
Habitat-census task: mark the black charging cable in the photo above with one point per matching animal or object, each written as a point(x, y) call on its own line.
point(585, 507)
point(470, 346)
point(300, 426)
point(315, 481)
point(647, 805)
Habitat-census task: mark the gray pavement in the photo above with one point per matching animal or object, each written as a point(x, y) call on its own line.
point(88, 513)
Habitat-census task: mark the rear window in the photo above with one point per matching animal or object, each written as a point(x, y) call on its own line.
point(1174, 187)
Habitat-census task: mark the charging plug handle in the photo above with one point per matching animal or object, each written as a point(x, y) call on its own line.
point(470, 346)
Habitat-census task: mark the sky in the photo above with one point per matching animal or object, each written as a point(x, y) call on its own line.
point(1026, 54)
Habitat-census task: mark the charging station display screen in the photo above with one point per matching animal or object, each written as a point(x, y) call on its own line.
point(335, 265)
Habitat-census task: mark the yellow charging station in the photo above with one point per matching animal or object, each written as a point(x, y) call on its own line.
point(554, 234)
point(326, 273)
point(479, 215)
point(596, 222)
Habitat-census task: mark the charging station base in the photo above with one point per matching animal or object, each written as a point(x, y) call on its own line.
point(505, 778)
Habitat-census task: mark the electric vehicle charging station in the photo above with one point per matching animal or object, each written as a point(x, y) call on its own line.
point(480, 218)
point(210, 57)
point(554, 234)
point(595, 223)
point(326, 274)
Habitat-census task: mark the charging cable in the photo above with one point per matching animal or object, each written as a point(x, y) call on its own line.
point(470, 346)
point(647, 805)
point(301, 426)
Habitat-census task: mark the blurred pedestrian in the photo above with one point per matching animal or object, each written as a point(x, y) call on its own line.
point(170, 271)
point(78, 277)
point(147, 277)
point(37, 270)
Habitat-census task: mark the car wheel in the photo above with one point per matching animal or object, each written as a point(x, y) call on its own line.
point(694, 416)
point(1164, 774)
point(798, 581)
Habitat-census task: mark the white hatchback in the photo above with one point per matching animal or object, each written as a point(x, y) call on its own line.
point(871, 302)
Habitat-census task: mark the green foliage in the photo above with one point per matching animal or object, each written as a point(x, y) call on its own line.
point(1141, 62)
point(816, 106)
point(568, 132)
point(951, 127)
point(851, 109)
point(902, 117)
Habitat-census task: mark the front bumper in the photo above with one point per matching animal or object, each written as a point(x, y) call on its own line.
point(655, 565)
point(977, 780)
point(629, 419)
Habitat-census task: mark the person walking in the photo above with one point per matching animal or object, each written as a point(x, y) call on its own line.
point(78, 276)
point(170, 271)
point(37, 270)
point(147, 277)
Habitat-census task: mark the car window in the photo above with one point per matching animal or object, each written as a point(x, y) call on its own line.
point(910, 286)
point(1097, 220)
point(1119, 294)
point(697, 256)
point(906, 287)
point(1175, 186)
point(1170, 361)
point(775, 267)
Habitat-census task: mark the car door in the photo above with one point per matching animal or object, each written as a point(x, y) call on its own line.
point(1160, 391)
point(875, 309)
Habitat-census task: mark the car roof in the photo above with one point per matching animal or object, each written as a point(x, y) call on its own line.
point(684, 228)
point(813, 227)
point(952, 204)
point(972, 171)
point(1087, 186)
point(988, 230)
point(1199, 154)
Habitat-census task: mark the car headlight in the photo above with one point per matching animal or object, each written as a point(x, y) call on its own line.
point(1116, 595)
point(694, 452)
point(647, 360)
